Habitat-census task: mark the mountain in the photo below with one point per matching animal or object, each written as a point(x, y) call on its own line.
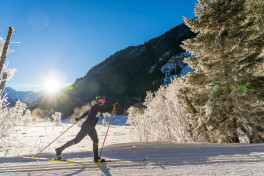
point(125, 76)
point(27, 97)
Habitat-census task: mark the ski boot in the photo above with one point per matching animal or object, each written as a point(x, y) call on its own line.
point(99, 160)
point(58, 153)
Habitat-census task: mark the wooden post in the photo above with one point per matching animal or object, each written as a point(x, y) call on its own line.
point(3, 58)
point(5, 49)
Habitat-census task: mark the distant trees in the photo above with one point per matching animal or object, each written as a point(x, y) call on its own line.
point(224, 97)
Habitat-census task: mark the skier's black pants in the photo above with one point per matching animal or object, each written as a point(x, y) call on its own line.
point(85, 129)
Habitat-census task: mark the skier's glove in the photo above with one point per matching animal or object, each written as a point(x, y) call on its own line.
point(115, 105)
point(78, 118)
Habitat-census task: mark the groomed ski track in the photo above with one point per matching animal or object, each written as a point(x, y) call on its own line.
point(125, 163)
point(150, 158)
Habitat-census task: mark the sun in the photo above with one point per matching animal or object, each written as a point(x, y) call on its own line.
point(51, 85)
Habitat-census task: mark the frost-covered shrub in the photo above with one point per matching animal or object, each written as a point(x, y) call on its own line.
point(164, 117)
point(11, 117)
point(105, 115)
point(56, 118)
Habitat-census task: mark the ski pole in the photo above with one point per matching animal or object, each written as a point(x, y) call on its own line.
point(107, 130)
point(55, 139)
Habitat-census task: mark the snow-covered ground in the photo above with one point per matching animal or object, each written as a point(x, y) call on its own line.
point(140, 158)
point(31, 139)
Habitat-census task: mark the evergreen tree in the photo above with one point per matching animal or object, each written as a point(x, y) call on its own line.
point(227, 85)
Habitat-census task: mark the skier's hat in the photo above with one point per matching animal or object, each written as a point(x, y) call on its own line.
point(99, 98)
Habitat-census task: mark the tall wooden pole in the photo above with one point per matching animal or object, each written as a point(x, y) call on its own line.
point(3, 58)
point(5, 49)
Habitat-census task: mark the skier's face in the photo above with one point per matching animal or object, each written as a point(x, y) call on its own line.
point(102, 101)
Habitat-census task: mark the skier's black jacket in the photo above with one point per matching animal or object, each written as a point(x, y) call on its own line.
point(93, 118)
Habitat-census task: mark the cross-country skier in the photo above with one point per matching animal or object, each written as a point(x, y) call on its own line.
point(88, 127)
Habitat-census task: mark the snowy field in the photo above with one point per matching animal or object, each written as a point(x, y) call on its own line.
point(144, 158)
point(31, 139)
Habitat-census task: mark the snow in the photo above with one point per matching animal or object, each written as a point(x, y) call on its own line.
point(166, 53)
point(172, 64)
point(152, 69)
point(2, 42)
point(33, 138)
point(141, 158)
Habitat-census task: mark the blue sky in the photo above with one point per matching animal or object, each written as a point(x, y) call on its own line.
point(63, 39)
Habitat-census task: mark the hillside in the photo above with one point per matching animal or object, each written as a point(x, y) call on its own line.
point(27, 97)
point(126, 75)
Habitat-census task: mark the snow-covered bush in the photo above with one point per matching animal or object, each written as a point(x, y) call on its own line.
point(164, 118)
point(105, 115)
point(11, 117)
point(56, 118)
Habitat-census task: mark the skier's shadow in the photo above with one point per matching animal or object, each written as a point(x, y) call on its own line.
point(105, 170)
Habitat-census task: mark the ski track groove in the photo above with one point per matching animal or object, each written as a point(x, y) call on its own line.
point(131, 163)
point(43, 169)
point(183, 159)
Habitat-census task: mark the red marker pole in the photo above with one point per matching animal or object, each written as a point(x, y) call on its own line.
point(55, 139)
point(107, 130)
